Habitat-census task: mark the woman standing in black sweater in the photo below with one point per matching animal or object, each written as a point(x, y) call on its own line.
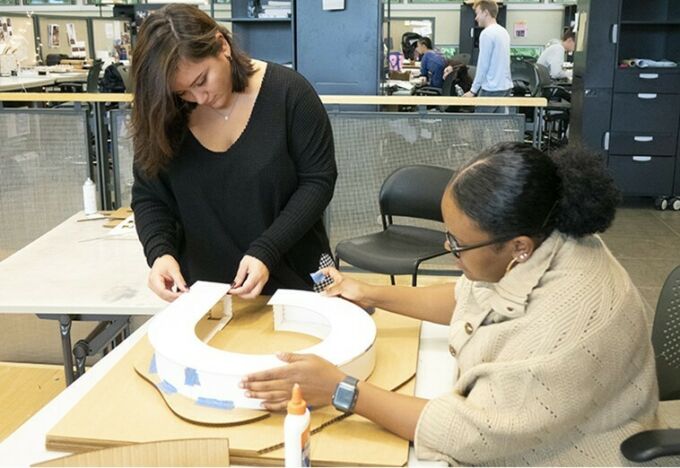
point(234, 161)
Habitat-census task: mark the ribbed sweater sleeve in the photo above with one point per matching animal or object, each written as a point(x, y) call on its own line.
point(311, 147)
point(154, 219)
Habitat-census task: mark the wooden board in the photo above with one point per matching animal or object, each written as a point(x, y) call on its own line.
point(123, 408)
point(25, 389)
point(187, 452)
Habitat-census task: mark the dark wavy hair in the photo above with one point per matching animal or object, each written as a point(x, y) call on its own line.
point(514, 189)
point(159, 117)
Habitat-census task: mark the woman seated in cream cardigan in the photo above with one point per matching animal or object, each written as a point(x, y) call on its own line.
point(551, 337)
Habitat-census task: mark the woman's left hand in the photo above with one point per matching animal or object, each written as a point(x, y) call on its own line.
point(251, 277)
point(316, 376)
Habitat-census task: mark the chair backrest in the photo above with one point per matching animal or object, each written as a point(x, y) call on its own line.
point(666, 338)
point(124, 71)
point(54, 59)
point(415, 191)
point(525, 72)
point(543, 78)
point(93, 76)
point(408, 44)
point(462, 58)
point(447, 86)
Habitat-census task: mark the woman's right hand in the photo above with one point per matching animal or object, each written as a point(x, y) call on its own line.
point(347, 288)
point(165, 274)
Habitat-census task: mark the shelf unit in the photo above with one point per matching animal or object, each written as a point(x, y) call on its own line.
point(630, 114)
point(469, 30)
point(270, 39)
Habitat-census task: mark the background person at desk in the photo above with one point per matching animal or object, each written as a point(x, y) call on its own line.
point(431, 64)
point(493, 65)
point(553, 57)
point(552, 338)
point(234, 161)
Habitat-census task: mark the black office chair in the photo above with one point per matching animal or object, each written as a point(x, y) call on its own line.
point(413, 192)
point(648, 445)
point(409, 41)
point(92, 84)
point(54, 59)
point(524, 78)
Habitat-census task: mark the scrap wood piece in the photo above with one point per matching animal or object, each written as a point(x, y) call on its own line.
point(182, 452)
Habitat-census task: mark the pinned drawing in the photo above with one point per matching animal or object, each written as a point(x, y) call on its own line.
point(53, 36)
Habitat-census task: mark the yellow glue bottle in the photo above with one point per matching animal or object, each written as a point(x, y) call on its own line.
point(296, 431)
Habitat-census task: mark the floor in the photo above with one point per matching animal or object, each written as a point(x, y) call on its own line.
point(647, 243)
point(26, 388)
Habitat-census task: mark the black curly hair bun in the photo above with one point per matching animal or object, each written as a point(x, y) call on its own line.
point(588, 197)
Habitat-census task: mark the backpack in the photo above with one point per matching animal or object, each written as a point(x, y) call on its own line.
point(113, 80)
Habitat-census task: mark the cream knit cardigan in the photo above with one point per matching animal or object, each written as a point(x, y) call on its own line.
point(555, 361)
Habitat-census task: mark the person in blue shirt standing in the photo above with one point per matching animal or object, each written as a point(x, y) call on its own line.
point(431, 63)
point(493, 65)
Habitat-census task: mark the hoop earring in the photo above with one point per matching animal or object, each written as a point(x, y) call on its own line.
point(511, 265)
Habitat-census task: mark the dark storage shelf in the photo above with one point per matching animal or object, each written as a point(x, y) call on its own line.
point(653, 23)
point(260, 20)
point(269, 39)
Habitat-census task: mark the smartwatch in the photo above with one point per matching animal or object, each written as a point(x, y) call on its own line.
point(345, 395)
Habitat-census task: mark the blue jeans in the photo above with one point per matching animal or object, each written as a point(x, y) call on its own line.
point(495, 109)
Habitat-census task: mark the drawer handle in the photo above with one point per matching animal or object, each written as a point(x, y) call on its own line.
point(647, 95)
point(644, 139)
point(649, 76)
point(642, 158)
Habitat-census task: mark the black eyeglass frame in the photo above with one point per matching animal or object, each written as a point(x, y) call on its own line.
point(456, 248)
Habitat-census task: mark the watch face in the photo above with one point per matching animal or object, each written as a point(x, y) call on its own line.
point(344, 397)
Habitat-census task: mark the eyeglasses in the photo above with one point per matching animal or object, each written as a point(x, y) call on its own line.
point(456, 248)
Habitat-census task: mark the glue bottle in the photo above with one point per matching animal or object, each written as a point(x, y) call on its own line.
point(89, 197)
point(296, 431)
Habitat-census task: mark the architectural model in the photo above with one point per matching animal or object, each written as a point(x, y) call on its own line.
point(189, 366)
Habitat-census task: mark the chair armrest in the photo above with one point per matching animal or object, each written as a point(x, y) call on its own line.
point(648, 445)
point(427, 91)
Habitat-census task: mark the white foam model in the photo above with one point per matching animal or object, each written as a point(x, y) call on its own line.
point(198, 371)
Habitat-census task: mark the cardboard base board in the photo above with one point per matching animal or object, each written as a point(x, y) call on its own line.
point(122, 408)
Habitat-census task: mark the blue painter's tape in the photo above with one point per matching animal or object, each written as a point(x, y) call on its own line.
point(213, 403)
point(152, 365)
point(167, 387)
point(191, 377)
point(317, 277)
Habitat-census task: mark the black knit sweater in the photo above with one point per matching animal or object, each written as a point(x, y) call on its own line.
point(263, 197)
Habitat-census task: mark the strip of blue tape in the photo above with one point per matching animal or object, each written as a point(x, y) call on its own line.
point(191, 377)
point(167, 387)
point(152, 365)
point(317, 277)
point(214, 403)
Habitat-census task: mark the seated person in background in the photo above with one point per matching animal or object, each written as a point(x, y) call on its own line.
point(551, 337)
point(553, 57)
point(461, 76)
point(431, 64)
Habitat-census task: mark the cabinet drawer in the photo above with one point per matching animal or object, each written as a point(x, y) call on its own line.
point(640, 80)
point(650, 143)
point(643, 175)
point(645, 112)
